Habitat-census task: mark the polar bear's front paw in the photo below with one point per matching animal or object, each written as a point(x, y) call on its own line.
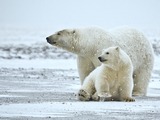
point(129, 99)
point(83, 95)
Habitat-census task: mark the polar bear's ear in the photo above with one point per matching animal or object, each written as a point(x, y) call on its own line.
point(117, 48)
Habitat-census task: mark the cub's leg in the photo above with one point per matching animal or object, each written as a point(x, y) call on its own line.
point(87, 90)
point(102, 88)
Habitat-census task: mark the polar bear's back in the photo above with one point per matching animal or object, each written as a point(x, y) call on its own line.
point(135, 44)
point(132, 41)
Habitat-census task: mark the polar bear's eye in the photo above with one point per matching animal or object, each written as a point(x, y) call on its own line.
point(107, 52)
point(58, 33)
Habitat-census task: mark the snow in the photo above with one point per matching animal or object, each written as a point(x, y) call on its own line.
point(68, 109)
point(60, 109)
point(9, 96)
point(39, 63)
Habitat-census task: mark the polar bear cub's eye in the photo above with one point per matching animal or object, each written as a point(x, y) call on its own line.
point(107, 52)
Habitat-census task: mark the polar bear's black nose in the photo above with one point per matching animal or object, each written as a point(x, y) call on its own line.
point(48, 40)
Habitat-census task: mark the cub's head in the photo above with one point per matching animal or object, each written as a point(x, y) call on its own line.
point(63, 39)
point(110, 56)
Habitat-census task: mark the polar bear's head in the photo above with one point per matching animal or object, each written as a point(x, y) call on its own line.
point(63, 39)
point(110, 56)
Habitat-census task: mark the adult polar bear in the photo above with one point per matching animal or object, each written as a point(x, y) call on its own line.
point(88, 43)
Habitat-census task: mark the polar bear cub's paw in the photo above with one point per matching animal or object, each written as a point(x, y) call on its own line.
point(104, 97)
point(83, 95)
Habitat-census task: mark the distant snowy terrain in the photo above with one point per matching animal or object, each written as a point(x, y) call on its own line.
point(27, 43)
point(40, 82)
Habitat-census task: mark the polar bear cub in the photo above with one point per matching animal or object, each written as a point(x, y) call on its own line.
point(113, 80)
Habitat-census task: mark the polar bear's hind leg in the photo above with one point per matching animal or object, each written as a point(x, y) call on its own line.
point(141, 81)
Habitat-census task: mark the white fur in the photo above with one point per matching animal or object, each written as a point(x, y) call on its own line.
point(88, 43)
point(112, 80)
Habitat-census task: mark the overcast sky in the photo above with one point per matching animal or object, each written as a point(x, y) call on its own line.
point(75, 13)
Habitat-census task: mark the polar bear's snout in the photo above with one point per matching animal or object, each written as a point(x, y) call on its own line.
point(50, 41)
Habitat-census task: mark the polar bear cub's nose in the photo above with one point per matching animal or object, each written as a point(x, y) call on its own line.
point(100, 58)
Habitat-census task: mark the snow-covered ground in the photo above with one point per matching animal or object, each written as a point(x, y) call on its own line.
point(38, 81)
